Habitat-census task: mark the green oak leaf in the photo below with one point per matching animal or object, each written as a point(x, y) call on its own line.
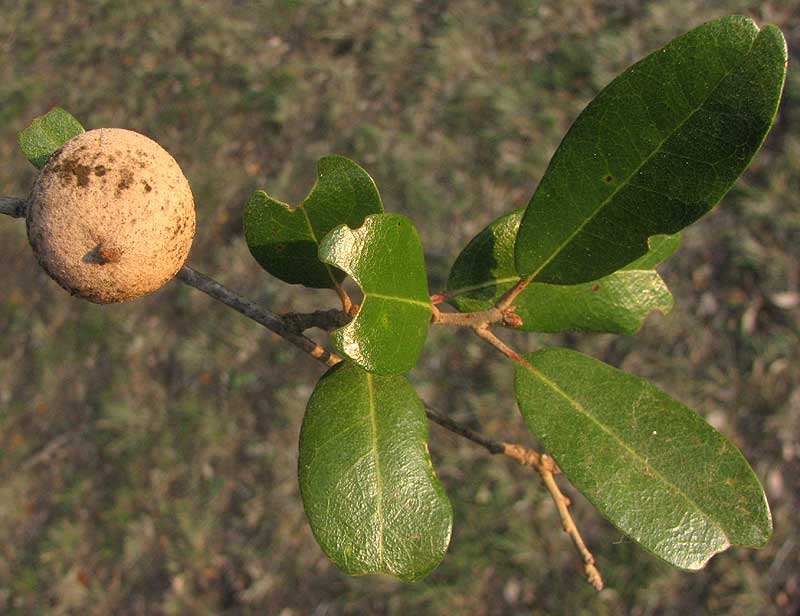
point(369, 489)
point(285, 240)
point(384, 256)
point(654, 151)
point(617, 303)
point(652, 466)
point(47, 134)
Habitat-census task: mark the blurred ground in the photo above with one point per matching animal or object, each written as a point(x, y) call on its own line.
point(148, 450)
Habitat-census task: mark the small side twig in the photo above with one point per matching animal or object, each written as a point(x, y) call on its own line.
point(344, 297)
point(546, 471)
point(546, 467)
point(483, 318)
point(438, 298)
point(13, 206)
point(492, 446)
point(327, 320)
point(486, 333)
point(509, 296)
point(466, 319)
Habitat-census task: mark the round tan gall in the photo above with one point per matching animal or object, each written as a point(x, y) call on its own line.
point(111, 216)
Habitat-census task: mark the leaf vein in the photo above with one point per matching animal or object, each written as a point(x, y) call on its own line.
point(625, 183)
point(378, 479)
point(580, 409)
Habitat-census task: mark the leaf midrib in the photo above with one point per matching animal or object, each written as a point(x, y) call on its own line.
point(579, 408)
point(50, 134)
point(483, 285)
point(378, 479)
point(647, 159)
point(405, 300)
point(328, 268)
point(511, 279)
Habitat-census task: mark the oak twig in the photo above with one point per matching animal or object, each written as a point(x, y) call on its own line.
point(288, 326)
point(326, 320)
point(546, 470)
point(492, 446)
point(486, 333)
point(509, 296)
point(13, 206)
point(481, 318)
point(344, 297)
point(438, 298)
point(292, 325)
point(256, 313)
point(466, 319)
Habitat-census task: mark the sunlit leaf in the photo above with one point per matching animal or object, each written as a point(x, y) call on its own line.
point(369, 489)
point(654, 151)
point(652, 466)
point(617, 303)
point(384, 256)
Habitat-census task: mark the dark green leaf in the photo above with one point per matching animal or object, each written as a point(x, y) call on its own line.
point(369, 489)
point(617, 303)
point(654, 151)
point(47, 134)
point(384, 256)
point(285, 240)
point(651, 465)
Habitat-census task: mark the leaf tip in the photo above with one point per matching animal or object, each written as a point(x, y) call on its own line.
point(333, 159)
point(773, 32)
point(256, 197)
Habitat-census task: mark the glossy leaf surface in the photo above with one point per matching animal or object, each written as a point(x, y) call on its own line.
point(652, 466)
point(654, 151)
point(285, 240)
point(617, 303)
point(369, 489)
point(384, 256)
point(47, 134)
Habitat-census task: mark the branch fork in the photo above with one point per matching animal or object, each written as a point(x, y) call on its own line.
point(506, 316)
